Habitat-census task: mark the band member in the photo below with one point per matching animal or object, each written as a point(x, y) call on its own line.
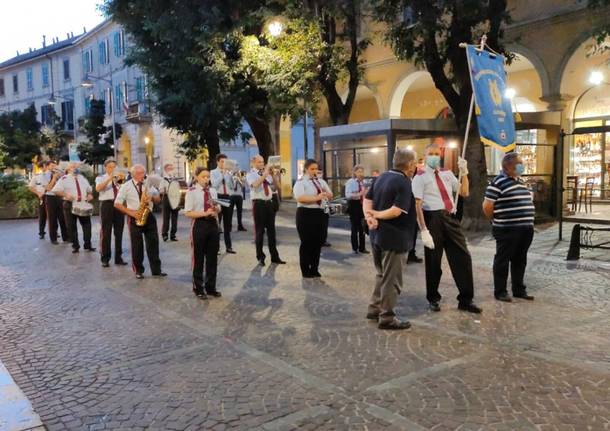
point(107, 185)
point(354, 193)
point(389, 208)
point(37, 186)
point(75, 190)
point(131, 195)
point(55, 213)
point(413, 257)
point(237, 198)
point(312, 195)
point(170, 215)
point(222, 180)
point(509, 204)
point(259, 180)
point(199, 205)
point(434, 188)
point(325, 243)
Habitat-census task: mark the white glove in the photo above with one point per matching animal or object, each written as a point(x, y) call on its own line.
point(462, 166)
point(427, 239)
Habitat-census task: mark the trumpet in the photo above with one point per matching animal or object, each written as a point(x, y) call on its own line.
point(119, 176)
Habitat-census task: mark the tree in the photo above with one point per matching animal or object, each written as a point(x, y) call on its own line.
point(99, 145)
point(602, 33)
point(20, 134)
point(54, 143)
point(428, 33)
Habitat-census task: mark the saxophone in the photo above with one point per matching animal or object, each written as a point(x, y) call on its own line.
point(143, 210)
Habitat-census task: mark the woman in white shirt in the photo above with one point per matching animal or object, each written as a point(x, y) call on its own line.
point(312, 195)
point(200, 206)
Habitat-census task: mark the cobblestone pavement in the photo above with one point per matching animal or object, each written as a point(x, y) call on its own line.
point(94, 348)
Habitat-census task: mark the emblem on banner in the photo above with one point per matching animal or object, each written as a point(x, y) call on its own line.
point(494, 92)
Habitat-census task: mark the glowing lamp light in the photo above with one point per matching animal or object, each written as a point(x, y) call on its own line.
point(374, 150)
point(596, 77)
point(275, 28)
point(410, 147)
point(510, 93)
point(146, 140)
point(452, 144)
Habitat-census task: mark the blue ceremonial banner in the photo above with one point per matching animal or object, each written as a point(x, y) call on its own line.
point(73, 153)
point(494, 111)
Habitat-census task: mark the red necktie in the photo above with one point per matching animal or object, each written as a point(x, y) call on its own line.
point(224, 184)
point(139, 189)
point(114, 189)
point(318, 188)
point(78, 193)
point(266, 187)
point(444, 195)
point(360, 189)
point(206, 199)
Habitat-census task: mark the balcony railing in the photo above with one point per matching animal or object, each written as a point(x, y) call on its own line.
point(138, 112)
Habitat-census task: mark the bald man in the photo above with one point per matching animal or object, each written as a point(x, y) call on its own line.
point(128, 201)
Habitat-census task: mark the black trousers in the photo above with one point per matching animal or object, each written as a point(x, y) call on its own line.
point(42, 215)
point(325, 227)
point(448, 237)
point(512, 245)
point(355, 218)
point(310, 226)
point(205, 243)
point(85, 224)
point(55, 216)
point(113, 221)
point(169, 214)
point(237, 202)
point(226, 218)
point(264, 220)
point(140, 234)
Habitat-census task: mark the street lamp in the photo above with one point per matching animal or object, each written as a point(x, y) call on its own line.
point(88, 83)
point(275, 28)
point(510, 93)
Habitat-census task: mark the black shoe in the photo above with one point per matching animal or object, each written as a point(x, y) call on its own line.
point(160, 274)
point(309, 276)
point(354, 252)
point(215, 294)
point(173, 239)
point(41, 235)
point(54, 243)
point(242, 229)
point(395, 325)
point(90, 248)
point(434, 306)
point(365, 251)
point(414, 258)
point(164, 238)
point(523, 296)
point(120, 262)
point(230, 251)
point(261, 262)
point(372, 316)
point(504, 298)
point(326, 244)
point(199, 293)
point(75, 250)
point(278, 261)
point(105, 264)
point(471, 308)
point(316, 274)
point(139, 275)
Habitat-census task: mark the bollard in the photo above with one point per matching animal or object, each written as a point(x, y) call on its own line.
point(574, 250)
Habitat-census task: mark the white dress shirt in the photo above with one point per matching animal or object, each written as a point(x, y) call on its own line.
point(194, 199)
point(353, 186)
point(110, 192)
point(67, 185)
point(128, 195)
point(221, 181)
point(259, 192)
point(425, 188)
point(306, 186)
point(39, 181)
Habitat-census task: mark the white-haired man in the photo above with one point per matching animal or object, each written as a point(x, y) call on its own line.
point(128, 200)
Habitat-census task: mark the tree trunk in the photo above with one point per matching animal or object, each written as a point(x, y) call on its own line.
point(213, 143)
point(262, 133)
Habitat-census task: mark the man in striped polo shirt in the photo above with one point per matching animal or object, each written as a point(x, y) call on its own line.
point(509, 204)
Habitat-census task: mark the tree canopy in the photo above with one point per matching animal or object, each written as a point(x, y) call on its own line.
point(20, 137)
point(99, 137)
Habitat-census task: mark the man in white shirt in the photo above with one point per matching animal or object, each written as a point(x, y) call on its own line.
point(222, 180)
point(259, 180)
point(237, 199)
point(55, 213)
point(434, 189)
point(170, 215)
point(107, 185)
point(75, 190)
point(37, 186)
point(128, 200)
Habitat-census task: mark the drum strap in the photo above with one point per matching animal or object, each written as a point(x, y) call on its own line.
point(78, 192)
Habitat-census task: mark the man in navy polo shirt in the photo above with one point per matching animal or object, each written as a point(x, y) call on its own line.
point(509, 204)
point(389, 208)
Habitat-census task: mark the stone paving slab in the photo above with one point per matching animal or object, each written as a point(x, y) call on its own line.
point(16, 412)
point(93, 348)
